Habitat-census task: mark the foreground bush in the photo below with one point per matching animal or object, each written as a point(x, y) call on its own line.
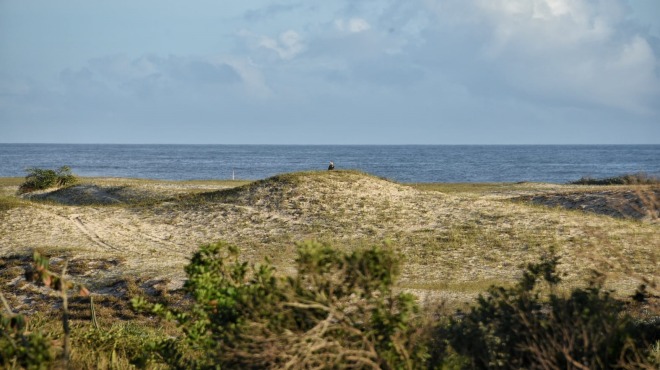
point(339, 311)
point(522, 328)
point(20, 348)
point(39, 179)
point(23, 348)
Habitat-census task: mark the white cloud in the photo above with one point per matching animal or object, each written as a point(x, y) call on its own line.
point(575, 52)
point(550, 52)
point(352, 25)
point(430, 64)
point(287, 45)
point(250, 74)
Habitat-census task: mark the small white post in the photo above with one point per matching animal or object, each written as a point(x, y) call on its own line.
point(232, 175)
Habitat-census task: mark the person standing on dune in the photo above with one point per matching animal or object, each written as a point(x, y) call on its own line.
point(331, 166)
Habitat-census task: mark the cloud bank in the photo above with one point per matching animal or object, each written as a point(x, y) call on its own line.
point(420, 71)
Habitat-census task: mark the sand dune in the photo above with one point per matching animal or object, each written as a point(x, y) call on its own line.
point(453, 244)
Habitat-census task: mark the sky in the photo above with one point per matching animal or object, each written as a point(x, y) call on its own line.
point(330, 72)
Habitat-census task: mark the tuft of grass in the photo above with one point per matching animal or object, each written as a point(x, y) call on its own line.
point(9, 202)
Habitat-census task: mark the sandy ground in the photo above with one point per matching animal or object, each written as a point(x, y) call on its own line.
point(453, 244)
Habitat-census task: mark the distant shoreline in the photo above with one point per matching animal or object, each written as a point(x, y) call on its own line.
point(105, 179)
point(556, 164)
point(326, 145)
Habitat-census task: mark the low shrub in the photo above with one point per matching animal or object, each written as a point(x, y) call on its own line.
point(39, 179)
point(339, 311)
point(522, 328)
point(19, 347)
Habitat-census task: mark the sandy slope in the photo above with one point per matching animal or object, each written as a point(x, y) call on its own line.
point(453, 245)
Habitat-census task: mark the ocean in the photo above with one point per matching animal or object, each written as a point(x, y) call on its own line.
point(402, 163)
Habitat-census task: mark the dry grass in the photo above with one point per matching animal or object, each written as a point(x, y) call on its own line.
point(456, 239)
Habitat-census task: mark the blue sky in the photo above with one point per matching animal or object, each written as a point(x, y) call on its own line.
point(330, 72)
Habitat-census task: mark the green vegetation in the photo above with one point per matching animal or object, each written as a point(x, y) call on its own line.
point(523, 328)
point(39, 179)
point(20, 347)
point(628, 179)
point(341, 311)
point(338, 311)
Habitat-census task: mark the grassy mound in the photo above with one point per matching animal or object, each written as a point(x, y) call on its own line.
point(312, 191)
point(312, 205)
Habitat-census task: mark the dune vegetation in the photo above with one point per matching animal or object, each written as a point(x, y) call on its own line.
point(128, 238)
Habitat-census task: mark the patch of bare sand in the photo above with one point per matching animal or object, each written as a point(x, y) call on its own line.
point(453, 245)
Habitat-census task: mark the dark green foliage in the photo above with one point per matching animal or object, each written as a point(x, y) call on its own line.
point(20, 348)
point(522, 328)
point(628, 179)
point(338, 311)
point(38, 179)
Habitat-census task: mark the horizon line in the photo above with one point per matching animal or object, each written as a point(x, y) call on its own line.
point(372, 144)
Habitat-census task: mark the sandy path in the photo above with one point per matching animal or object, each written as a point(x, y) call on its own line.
point(90, 233)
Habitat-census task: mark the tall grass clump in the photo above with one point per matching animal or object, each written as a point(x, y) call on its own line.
point(640, 178)
point(39, 179)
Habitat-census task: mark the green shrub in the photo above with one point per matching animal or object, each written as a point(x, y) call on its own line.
point(39, 179)
point(640, 178)
point(20, 348)
point(521, 328)
point(339, 311)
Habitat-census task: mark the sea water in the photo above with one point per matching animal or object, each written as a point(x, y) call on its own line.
point(405, 163)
